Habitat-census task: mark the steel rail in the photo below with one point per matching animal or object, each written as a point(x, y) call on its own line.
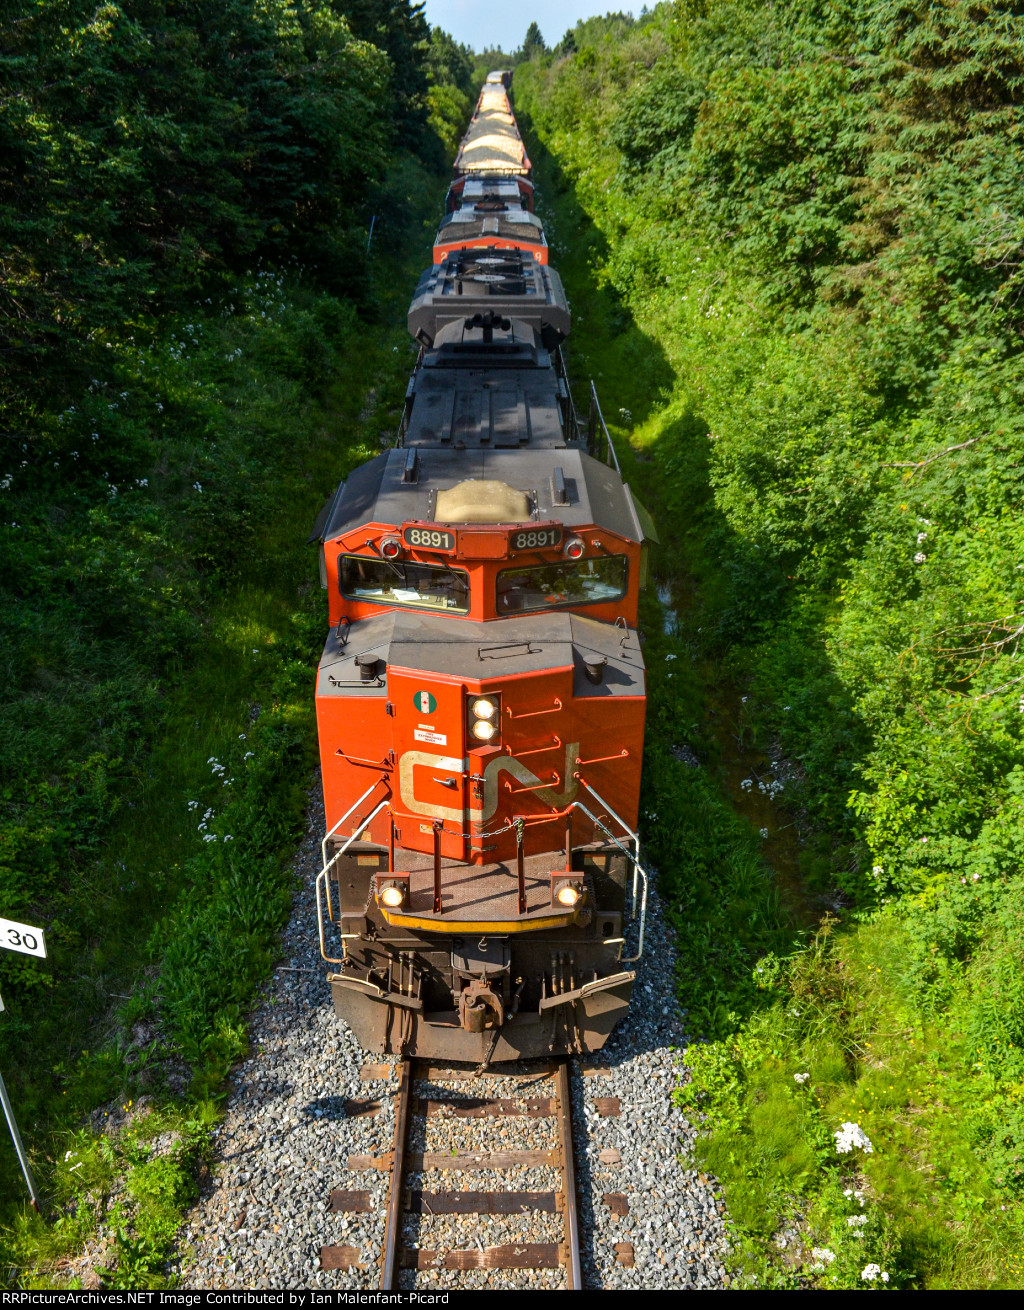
point(392, 1230)
point(573, 1272)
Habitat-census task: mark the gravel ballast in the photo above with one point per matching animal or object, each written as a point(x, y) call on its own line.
point(286, 1139)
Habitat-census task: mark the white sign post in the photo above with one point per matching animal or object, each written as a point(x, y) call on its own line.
point(29, 941)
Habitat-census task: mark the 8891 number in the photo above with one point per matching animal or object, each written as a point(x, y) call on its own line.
point(430, 539)
point(536, 538)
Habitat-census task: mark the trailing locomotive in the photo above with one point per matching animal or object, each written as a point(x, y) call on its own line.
point(481, 696)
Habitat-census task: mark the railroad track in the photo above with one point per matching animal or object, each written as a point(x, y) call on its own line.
point(462, 1104)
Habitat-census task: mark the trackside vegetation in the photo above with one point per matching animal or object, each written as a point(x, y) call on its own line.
point(793, 235)
point(198, 343)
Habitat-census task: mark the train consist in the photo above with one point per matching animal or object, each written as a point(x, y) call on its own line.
point(480, 699)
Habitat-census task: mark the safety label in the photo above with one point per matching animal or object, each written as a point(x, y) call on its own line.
point(434, 738)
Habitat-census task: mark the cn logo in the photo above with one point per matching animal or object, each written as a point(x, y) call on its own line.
point(424, 702)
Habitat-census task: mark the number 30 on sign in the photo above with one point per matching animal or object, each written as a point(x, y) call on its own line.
point(22, 937)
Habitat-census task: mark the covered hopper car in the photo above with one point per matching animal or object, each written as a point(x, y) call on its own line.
point(481, 694)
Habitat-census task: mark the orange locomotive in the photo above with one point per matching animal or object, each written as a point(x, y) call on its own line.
point(480, 698)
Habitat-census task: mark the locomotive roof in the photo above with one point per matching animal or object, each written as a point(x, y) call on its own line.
point(376, 492)
point(483, 210)
point(488, 406)
point(479, 185)
point(489, 281)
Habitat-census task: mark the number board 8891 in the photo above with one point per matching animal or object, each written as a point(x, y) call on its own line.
point(429, 539)
point(536, 538)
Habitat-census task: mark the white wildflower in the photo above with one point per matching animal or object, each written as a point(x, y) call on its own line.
point(920, 557)
point(822, 1255)
point(197, 486)
point(669, 657)
point(763, 832)
point(884, 1276)
point(922, 537)
point(877, 871)
point(747, 783)
point(193, 805)
point(851, 1137)
point(801, 1077)
point(870, 1272)
point(856, 1220)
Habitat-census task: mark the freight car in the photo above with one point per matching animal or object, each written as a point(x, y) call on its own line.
point(480, 698)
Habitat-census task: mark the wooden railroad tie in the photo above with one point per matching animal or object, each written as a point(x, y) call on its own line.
point(438, 1073)
point(340, 1257)
point(481, 1202)
point(342, 1202)
point(515, 1255)
point(419, 1160)
point(481, 1107)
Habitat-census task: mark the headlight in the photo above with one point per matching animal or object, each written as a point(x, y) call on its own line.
point(484, 709)
point(567, 896)
point(390, 547)
point(482, 730)
point(574, 548)
point(392, 895)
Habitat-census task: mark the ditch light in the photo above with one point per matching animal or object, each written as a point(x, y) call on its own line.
point(484, 724)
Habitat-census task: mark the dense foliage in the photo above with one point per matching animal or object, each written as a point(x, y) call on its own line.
point(816, 214)
point(196, 345)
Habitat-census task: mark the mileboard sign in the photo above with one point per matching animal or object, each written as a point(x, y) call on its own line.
point(536, 538)
point(22, 937)
point(429, 539)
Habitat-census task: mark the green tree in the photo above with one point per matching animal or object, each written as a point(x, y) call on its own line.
point(533, 45)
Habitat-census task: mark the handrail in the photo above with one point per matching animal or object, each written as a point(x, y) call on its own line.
point(596, 406)
point(622, 824)
point(534, 714)
point(601, 759)
point(323, 875)
point(540, 750)
point(639, 872)
point(541, 786)
point(351, 810)
point(384, 765)
point(637, 868)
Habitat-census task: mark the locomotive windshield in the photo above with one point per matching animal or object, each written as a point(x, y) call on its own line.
point(545, 586)
point(383, 582)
